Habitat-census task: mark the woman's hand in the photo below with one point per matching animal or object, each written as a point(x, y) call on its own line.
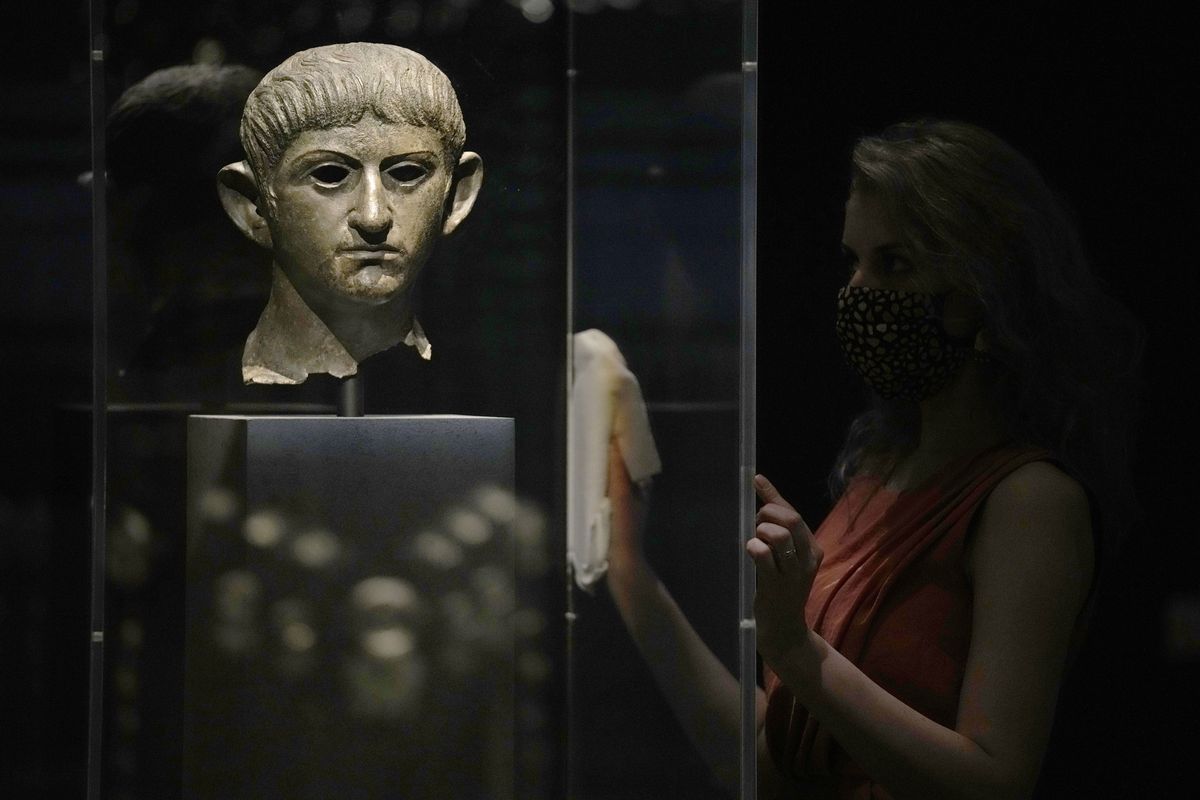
point(786, 558)
point(628, 514)
point(700, 689)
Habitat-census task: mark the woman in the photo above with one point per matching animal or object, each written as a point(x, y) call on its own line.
point(915, 643)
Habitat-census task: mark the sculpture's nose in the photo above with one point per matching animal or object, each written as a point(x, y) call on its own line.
point(372, 215)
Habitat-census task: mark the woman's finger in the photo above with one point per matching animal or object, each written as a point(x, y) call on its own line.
point(768, 493)
point(767, 563)
point(781, 544)
point(786, 516)
point(762, 555)
point(776, 536)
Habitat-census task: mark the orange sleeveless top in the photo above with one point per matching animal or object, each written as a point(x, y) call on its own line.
point(892, 595)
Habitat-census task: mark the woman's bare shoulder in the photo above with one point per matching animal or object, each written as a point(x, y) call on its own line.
point(1041, 493)
point(1037, 516)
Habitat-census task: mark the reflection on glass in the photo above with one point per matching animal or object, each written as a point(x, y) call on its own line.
point(657, 268)
point(499, 505)
point(316, 628)
point(437, 550)
point(315, 548)
point(469, 527)
point(238, 594)
point(264, 528)
point(384, 595)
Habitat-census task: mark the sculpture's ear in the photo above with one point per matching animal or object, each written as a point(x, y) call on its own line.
point(239, 196)
point(464, 188)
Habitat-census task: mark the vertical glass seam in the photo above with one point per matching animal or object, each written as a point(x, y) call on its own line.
point(569, 372)
point(749, 209)
point(99, 401)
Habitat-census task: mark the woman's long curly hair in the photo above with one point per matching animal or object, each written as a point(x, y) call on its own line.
point(1064, 353)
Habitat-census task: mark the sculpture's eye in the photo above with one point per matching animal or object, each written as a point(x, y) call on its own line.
point(407, 172)
point(329, 174)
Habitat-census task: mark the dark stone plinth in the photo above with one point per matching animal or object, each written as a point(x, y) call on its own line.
point(349, 601)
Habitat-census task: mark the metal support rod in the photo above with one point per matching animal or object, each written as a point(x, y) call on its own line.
point(350, 397)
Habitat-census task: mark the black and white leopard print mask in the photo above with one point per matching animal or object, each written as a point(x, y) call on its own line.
point(896, 342)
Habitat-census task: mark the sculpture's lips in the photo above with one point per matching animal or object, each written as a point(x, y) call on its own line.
point(371, 253)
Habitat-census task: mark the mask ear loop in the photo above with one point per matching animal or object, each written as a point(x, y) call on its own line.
point(973, 343)
point(980, 351)
point(935, 305)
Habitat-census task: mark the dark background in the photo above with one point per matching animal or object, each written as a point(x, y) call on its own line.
point(1101, 101)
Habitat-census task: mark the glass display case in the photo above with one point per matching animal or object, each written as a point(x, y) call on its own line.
point(663, 219)
point(293, 598)
point(298, 603)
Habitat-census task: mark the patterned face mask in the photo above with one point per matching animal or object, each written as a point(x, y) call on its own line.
point(895, 341)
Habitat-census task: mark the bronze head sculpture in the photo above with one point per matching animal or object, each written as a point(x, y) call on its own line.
point(355, 169)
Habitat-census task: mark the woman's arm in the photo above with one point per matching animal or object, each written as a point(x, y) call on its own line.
point(1031, 565)
point(702, 693)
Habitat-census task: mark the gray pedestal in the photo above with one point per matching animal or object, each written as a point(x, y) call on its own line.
point(349, 600)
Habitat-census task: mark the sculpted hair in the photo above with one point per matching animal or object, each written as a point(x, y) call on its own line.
point(335, 85)
point(1065, 354)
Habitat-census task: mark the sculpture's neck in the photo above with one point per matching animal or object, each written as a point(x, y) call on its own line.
point(293, 340)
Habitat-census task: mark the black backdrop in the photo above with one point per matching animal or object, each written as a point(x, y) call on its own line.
point(1100, 100)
